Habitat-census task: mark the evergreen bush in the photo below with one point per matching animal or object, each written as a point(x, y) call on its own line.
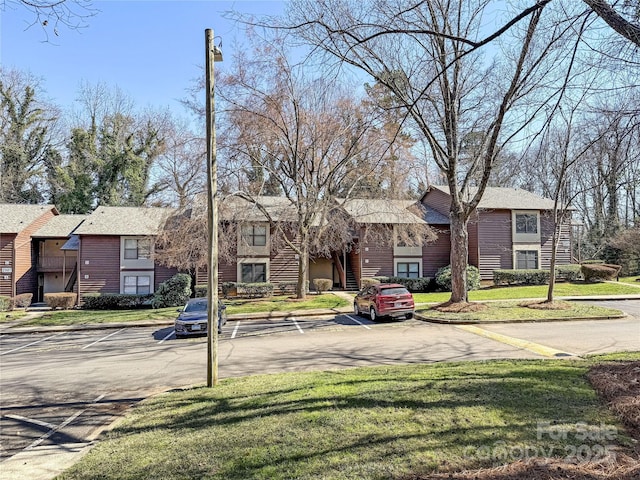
point(443, 278)
point(173, 292)
point(322, 284)
point(6, 304)
point(64, 300)
point(600, 272)
point(115, 301)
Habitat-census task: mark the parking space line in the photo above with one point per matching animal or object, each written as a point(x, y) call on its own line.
point(103, 338)
point(62, 425)
point(295, 322)
point(517, 342)
point(20, 418)
point(235, 329)
point(167, 337)
point(358, 322)
point(32, 343)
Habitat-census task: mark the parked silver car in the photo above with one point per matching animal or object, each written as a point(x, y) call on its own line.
point(192, 319)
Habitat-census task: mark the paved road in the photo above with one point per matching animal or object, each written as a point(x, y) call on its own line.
point(59, 389)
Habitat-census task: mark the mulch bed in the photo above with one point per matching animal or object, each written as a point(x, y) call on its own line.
point(618, 384)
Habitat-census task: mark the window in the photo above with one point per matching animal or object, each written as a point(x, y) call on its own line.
point(137, 285)
point(255, 235)
point(527, 259)
point(254, 272)
point(137, 248)
point(408, 269)
point(526, 223)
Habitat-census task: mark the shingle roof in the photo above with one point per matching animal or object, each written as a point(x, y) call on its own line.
point(60, 226)
point(15, 217)
point(124, 221)
point(236, 208)
point(496, 198)
point(380, 211)
point(433, 217)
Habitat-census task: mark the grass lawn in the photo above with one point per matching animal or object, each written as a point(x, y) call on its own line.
point(273, 304)
point(511, 311)
point(363, 423)
point(284, 303)
point(563, 289)
point(81, 317)
point(12, 315)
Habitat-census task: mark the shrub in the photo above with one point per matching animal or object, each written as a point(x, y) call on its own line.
point(420, 284)
point(23, 300)
point(600, 272)
point(285, 287)
point(173, 292)
point(443, 278)
point(322, 284)
point(521, 277)
point(570, 273)
point(64, 300)
point(6, 304)
point(367, 282)
point(115, 301)
point(226, 288)
point(264, 289)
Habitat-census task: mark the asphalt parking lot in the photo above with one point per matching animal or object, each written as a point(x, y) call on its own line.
point(58, 390)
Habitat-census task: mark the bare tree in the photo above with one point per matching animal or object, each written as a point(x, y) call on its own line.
point(52, 15)
point(181, 170)
point(310, 141)
point(426, 55)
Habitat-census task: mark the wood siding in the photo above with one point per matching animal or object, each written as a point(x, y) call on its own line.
point(495, 242)
point(354, 262)
point(7, 261)
point(376, 260)
point(26, 277)
point(438, 200)
point(437, 254)
point(100, 261)
point(474, 240)
point(563, 253)
point(162, 273)
point(283, 266)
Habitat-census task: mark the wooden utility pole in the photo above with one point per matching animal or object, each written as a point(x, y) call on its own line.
point(213, 55)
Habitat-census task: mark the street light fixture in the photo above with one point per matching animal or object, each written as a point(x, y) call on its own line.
point(213, 54)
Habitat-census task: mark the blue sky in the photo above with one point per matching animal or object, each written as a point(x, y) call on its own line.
point(151, 49)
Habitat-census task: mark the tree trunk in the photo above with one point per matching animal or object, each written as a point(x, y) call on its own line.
point(303, 272)
point(459, 258)
point(557, 226)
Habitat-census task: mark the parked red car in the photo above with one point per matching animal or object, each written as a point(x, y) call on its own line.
point(384, 300)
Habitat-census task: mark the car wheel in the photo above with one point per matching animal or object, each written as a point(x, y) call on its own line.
point(356, 310)
point(372, 314)
point(409, 316)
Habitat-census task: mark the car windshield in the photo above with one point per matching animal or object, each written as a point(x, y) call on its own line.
point(394, 291)
point(196, 307)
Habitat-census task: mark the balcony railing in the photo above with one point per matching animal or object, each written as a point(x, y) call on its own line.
point(56, 264)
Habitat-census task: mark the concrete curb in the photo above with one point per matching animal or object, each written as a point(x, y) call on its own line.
point(519, 320)
point(9, 329)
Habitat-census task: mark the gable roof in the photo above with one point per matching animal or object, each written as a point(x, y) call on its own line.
point(16, 217)
point(380, 211)
point(124, 221)
point(502, 198)
point(60, 226)
point(236, 208)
